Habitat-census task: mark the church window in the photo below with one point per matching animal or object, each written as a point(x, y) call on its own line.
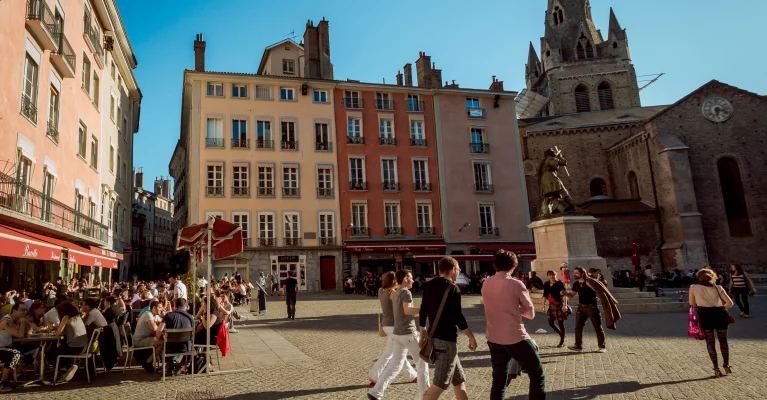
point(548, 53)
point(598, 187)
point(582, 101)
point(615, 45)
point(561, 15)
point(633, 185)
point(605, 92)
point(734, 197)
point(589, 50)
point(580, 51)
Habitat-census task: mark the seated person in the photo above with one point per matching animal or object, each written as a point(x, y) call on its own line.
point(10, 357)
point(179, 318)
point(212, 319)
point(35, 315)
point(73, 328)
point(51, 318)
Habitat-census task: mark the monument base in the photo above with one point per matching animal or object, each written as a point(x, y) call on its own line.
point(569, 239)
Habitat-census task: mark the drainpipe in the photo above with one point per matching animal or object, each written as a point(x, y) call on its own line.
point(655, 196)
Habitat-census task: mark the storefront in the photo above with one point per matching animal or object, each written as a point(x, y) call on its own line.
point(478, 257)
point(381, 257)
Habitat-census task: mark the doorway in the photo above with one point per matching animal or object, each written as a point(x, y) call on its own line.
point(327, 272)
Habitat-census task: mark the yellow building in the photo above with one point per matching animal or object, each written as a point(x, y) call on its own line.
point(258, 150)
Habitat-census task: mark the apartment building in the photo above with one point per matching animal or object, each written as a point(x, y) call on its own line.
point(258, 150)
point(54, 218)
point(387, 158)
point(152, 230)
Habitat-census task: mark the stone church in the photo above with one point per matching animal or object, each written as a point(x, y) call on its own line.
point(686, 183)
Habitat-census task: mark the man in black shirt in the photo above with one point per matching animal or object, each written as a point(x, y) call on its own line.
point(289, 293)
point(447, 366)
point(587, 309)
point(534, 282)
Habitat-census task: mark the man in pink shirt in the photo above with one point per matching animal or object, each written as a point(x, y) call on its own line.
point(506, 301)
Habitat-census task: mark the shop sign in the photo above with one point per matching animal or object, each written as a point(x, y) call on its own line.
point(367, 249)
point(287, 259)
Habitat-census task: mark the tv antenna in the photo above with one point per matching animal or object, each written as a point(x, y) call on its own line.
point(292, 35)
point(650, 79)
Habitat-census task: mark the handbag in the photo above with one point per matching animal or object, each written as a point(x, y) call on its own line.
point(427, 351)
point(693, 325)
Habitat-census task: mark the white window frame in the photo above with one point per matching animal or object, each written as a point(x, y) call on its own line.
point(492, 215)
point(286, 124)
point(288, 92)
point(239, 90)
point(393, 170)
point(475, 103)
point(425, 162)
point(321, 96)
point(293, 171)
point(488, 171)
point(386, 128)
point(383, 101)
point(326, 228)
point(218, 175)
point(482, 134)
point(387, 205)
point(54, 107)
point(215, 214)
point(260, 90)
point(358, 217)
point(354, 128)
point(30, 61)
point(325, 179)
point(218, 128)
point(264, 126)
point(288, 66)
point(240, 175)
point(352, 99)
point(328, 136)
point(364, 173)
point(242, 219)
point(268, 176)
point(94, 162)
point(291, 218)
point(414, 107)
point(82, 140)
point(214, 89)
point(240, 122)
point(416, 129)
point(419, 220)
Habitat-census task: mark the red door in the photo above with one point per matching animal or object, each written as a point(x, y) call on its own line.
point(328, 272)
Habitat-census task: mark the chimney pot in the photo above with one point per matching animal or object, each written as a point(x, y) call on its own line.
point(453, 81)
point(199, 53)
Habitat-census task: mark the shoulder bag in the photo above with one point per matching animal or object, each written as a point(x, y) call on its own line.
point(427, 351)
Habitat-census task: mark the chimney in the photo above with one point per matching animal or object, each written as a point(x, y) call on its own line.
point(496, 86)
point(399, 78)
point(408, 74)
point(199, 53)
point(423, 70)
point(139, 183)
point(317, 63)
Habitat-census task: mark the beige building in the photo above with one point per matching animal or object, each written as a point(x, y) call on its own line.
point(258, 150)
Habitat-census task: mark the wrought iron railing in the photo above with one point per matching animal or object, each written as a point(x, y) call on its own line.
point(214, 142)
point(484, 187)
point(94, 37)
point(292, 241)
point(352, 102)
point(415, 106)
point(479, 147)
point(393, 231)
point(384, 104)
point(19, 197)
point(323, 146)
point(65, 50)
point(488, 231)
point(52, 131)
point(264, 144)
point(214, 190)
point(289, 144)
point(355, 140)
point(360, 231)
point(390, 186)
point(266, 242)
point(38, 10)
point(28, 108)
point(265, 191)
point(384, 141)
point(240, 143)
point(422, 187)
point(245, 242)
point(327, 241)
point(425, 230)
point(325, 193)
point(417, 142)
point(358, 185)
point(291, 192)
point(241, 191)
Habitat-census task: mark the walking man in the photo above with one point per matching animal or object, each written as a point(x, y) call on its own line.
point(587, 309)
point(289, 293)
point(506, 301)
point(447, 366)
point(274, 280)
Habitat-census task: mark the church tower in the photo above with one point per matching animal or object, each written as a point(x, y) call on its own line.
point(578, 71)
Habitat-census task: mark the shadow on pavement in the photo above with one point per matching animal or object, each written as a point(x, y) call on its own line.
point(292, 394)
point(603, 389)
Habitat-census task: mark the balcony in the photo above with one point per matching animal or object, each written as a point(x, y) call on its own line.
point(35, 207)
point(245, 242)
point(425, 231)
point(291, 192)
point(63, 57)
point(355, 140)
point(481, 187)
point(41, 24)
point(214, 142)
point(422, 187)
point(353, 103)
point(92, 38)
point(28, 108)
point(240, 191)
point(390, 186)
point(323, 146)
point(360, 231)
point(479, 147)
point(358, 185)
point(214, 191)
point(417, 142)
point(384, 141)
point(415, 106)
point(386, 105)
point(325, 193)
point(327, 241)
point(52, 131)
point(289, 145)
point(265, 192)
point(488, 231)
point(291, 242)
point(240, 143)
point(266, 242)
point(475, 113)
point(393, 231)
point(264, 144)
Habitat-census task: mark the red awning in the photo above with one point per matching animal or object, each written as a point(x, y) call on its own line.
point(77, 254)
point(226, 238)
point(354, 248)
point(495, 246)
point(18, 244)
point(458, 257)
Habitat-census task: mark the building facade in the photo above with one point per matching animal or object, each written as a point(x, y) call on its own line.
point(260, 152)
point(54, 215)
point(153, 229)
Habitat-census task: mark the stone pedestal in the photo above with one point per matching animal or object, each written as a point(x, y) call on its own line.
point(567, 239)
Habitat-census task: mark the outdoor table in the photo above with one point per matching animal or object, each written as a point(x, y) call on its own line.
point(42, 339)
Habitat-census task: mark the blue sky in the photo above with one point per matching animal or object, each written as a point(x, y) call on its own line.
point(691, 41)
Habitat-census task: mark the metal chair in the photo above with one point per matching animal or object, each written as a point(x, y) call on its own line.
point(129, 351)
point(85, 355)
point(185, 335)
point(211, 348)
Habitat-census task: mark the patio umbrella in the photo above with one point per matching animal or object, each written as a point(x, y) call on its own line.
point(222, 238)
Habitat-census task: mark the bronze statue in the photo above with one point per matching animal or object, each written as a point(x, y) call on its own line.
point(555, 199)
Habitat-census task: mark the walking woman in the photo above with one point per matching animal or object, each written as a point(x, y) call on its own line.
point(557, 304)
point(740, 288)
point(712, 302)
point(388, 286)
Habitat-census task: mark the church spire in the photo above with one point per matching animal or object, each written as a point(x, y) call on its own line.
point(615, 27)
point(532, 61)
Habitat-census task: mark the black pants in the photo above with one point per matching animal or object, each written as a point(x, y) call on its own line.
point(524, 353)
point(740, 295)
point(290, 300)
point(52, 355)
point(588, 311)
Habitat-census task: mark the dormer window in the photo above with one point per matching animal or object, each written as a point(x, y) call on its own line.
point(288, 67)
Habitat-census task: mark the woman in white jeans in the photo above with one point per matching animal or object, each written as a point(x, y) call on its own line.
point(388, 286)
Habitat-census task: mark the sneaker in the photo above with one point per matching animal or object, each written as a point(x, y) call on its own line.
point(5, 387)
point(69, 374)
point(234, 331)
point(575, 348)
point(602, 350)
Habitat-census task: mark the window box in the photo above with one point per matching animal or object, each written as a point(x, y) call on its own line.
point(390, 186)
point(357, 185)
point(387, 141)
point(417, 142)
point(355, 140)
point(393, 231)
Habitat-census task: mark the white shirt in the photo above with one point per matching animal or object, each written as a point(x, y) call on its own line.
point(51, 316)
point(243, 290)
point(707, 296)
point(142, 326)
point(179, 290)
point(203, 282)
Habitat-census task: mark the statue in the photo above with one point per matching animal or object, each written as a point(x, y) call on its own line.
point(555, 199)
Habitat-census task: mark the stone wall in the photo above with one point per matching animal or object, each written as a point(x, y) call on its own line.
point(591, 72)
point(616, 233)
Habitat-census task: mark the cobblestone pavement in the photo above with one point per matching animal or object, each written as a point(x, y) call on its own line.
point(327, 351)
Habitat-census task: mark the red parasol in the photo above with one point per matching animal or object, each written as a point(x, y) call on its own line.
point(226, 238)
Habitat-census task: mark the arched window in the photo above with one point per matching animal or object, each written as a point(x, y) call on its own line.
point(633, 185)
point(615, 45)
point(561, 15)
point(598, 187)
point(555, 14)
point(734, 198)
point(582, 101)
point(605, 92)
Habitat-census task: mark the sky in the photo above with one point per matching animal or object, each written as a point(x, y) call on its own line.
point(691, 41)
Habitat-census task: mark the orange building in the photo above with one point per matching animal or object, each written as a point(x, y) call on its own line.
point(387, 171)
